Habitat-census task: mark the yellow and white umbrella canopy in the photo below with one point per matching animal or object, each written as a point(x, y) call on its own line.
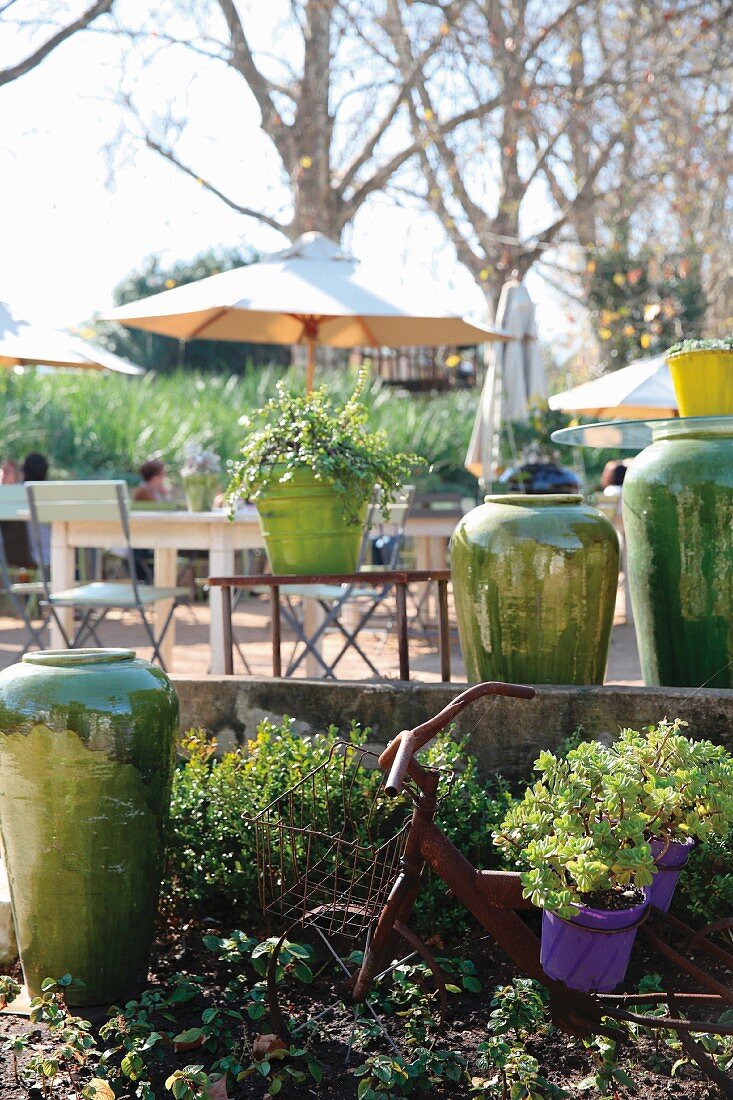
point(643, 389)
point(23, 344)
point(310, 293)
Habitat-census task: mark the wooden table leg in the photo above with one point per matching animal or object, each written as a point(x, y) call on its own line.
point(62, 577)
point(313, 616)
point(165, 561)
point(221, 564)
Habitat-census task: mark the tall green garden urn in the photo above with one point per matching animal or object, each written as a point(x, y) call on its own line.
point(534, 582)
point(678, 518)
point(87, 741)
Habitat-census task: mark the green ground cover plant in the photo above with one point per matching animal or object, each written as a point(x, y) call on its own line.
point(201, 1030)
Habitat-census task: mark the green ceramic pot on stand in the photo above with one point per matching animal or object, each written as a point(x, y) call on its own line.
point(87, 743)
point(534, 581)
point(306, 529)
point(678, 517)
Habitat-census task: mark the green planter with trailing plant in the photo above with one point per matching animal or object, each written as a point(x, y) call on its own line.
point(201, 477)
point(311, 468)
point(686, 795)
point(702, 375)
point(587, 863)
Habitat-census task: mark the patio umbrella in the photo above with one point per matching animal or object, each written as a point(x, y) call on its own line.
point(515, 376)
point(643, 389)
point(310, 293)
point(24, 344)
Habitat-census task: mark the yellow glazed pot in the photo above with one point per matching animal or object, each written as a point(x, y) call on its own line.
point(703, 381)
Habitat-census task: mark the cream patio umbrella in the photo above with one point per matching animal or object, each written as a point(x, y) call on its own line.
point(310, 293)
point(643, 389)
point(23, 344)
point(514, 377)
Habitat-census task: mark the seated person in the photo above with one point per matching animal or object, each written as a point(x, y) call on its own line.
point(9, 473)
point(35, 468)
point(154, 485)
point(612, 478)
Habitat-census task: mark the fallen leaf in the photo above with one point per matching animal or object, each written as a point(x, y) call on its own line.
point(266, 1044)
point(217, 1090)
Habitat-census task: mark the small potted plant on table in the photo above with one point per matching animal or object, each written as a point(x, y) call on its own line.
point(686, 795)
point(200, 473)
point(578, 833)
point(311, 468)
point(702, 375)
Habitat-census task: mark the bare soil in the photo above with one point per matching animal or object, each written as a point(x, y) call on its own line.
point(565, 1061)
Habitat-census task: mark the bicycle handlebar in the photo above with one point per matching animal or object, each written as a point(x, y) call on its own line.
point(399, 752)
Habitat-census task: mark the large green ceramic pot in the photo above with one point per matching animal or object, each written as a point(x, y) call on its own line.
point(306, 529)
point(86, 762)
point(534, 581)
point(678, 518)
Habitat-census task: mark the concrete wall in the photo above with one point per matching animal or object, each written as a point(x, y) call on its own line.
point(505, 734)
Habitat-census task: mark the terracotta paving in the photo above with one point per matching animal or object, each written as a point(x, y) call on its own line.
point(251, 626)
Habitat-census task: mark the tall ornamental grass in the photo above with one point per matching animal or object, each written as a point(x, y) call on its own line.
point(99, 425)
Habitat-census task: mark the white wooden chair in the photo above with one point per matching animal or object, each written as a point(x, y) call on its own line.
point(23, 594)
point(97, 500)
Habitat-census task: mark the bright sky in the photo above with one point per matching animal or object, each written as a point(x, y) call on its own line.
point(67, 237)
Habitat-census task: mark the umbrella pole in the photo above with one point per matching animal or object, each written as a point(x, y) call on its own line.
point(311, 368)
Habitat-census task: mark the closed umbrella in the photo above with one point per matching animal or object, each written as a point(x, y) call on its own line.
point(515, 376)
point(643, 389)
point(23, 344)
point(310, 293)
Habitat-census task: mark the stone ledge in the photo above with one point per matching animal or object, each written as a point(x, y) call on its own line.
point(505, 734)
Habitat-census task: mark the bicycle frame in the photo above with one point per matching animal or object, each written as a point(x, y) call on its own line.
point(493, 897)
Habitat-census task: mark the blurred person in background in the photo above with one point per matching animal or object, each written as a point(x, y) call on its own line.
point(35, 468)
point(9, 472)
point(154, 485)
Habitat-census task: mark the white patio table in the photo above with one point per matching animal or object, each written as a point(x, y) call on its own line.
point(167, 533)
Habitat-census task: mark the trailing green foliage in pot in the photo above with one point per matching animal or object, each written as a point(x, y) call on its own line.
point(579, 832)
point(686, 796)
point(309, 432)
point(686, 785)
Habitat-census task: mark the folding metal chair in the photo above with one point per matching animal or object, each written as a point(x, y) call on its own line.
point(97, 500)
point(388, 537)
point(15, 554)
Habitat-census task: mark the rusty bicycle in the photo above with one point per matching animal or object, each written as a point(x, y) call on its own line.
point(349, 876)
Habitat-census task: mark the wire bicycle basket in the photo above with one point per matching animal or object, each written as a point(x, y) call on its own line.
point(321, 858)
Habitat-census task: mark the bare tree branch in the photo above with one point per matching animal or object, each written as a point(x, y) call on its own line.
point(13, 72)
point(248, 211)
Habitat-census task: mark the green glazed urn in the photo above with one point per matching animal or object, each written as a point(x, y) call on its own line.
point(678, 519)
point(200, 491)
point(306, 528)
point(87, 743)
point(534, 582)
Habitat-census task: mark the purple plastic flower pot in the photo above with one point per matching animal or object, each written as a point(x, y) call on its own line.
point(670, 859)
point(591, 950)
